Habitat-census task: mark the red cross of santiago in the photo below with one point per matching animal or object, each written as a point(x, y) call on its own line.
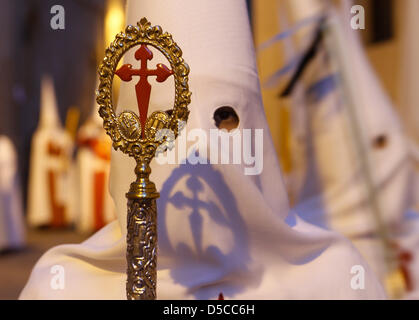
point(143, 87)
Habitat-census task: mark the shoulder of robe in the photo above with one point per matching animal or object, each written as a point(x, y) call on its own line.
point(76, 271)
point(337, 267)
point(356, 277)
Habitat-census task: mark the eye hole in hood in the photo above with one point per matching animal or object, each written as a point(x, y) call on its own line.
point(226, 118)
point(380, 142)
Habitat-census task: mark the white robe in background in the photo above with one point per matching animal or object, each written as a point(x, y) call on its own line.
point(220, 231)
point(94, 202)
point(50, 161)
point(333, 191)
point(12, 229)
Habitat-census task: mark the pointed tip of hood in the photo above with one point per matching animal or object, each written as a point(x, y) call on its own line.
point(49, 111)
point(304, 9)
point(94, 117)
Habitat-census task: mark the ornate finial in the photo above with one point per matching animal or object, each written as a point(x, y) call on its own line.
point(141, 136)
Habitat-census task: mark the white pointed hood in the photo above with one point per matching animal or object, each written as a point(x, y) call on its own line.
point(93, 125)
point(51, 149)
point(219, 77)
point(219, 229)
point(334, 188)
point(48, 117)
point(334, 192)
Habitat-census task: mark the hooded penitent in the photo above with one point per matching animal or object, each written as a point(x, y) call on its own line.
point(95, 207)
point(354, 163)
point(220, 230)
point(12, 233)
point(48, 196)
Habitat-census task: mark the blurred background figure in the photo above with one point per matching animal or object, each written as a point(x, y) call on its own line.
point(95, 206)
point(349, 162)
point(51, 154)
point(12, 234)
point(32, 50)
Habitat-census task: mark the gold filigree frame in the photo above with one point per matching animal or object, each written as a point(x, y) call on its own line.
point(125, 128)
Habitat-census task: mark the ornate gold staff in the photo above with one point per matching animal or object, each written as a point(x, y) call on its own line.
point(140, 137)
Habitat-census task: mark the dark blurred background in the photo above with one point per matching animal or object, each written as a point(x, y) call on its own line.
point(31, 48)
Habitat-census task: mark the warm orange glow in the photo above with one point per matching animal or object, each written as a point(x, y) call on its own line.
point(114, 20)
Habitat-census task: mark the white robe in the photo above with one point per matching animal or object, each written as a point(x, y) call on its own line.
point(95, 205)
point(50, 164)
point(12, 229)
point(220, 231)
point(334, 192)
